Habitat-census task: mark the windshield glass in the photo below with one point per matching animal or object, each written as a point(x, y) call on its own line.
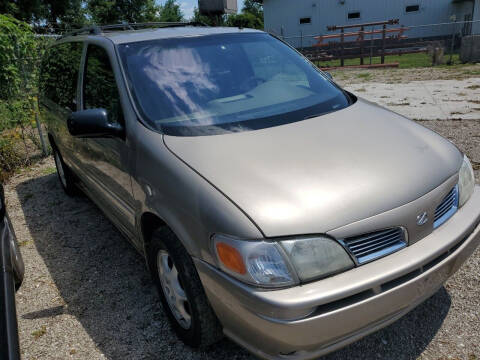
point(225, 83)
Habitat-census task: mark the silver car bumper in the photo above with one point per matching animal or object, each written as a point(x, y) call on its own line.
point(343, 308)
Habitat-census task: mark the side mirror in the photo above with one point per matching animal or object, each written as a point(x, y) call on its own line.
point(93, 123)
point(328, 75)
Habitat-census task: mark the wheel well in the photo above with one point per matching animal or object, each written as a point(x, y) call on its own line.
point(51, 141)
point(149, 222)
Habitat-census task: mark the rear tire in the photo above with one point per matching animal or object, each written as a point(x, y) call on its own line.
point(184, 300)
point(65, 176)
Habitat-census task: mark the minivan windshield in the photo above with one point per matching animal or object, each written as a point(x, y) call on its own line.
point(213, 84)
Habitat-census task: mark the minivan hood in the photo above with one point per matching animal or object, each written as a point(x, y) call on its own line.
point(316, 175)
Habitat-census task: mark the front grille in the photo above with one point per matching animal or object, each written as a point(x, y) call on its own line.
point(391, 284)
point(371, 246)
point(447, 207)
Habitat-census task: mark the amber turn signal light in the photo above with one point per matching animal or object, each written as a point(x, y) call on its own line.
point(231, 258)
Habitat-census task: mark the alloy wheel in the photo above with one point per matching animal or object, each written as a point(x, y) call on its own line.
point(173, 289)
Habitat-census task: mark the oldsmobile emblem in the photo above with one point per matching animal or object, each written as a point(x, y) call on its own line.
point(422, 218)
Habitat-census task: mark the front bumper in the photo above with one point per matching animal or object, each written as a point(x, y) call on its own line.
point(343, 308)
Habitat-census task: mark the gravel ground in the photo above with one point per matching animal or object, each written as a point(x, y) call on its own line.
point(87, 293)
point(426, 100)
point(402, 76)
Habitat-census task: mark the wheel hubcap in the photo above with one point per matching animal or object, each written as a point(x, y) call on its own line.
point(61, 172)
point(173, 289)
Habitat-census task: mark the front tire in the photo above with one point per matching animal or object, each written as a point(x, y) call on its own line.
point(65, 175)
point(181, 291)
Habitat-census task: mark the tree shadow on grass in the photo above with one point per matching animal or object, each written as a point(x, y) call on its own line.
point(106, 286)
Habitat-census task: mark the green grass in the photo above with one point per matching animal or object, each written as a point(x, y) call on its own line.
point(365, 76)
point(405, 61)
point(472, 72)
point(49, 170)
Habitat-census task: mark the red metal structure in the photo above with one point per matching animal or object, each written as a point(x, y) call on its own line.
point(361, 34)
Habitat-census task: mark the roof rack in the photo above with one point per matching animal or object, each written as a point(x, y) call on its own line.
point(93, 30)
point(100, 29)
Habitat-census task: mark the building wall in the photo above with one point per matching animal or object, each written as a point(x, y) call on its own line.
point(282, 17)
point(476, 16)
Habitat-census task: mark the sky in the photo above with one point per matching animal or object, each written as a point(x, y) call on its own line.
point(187, 6)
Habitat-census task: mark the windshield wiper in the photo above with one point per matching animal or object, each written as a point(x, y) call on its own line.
point(312, 116)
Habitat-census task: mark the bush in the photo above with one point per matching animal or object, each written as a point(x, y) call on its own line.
point(17, 46)
point(20, 55)
point(10, 158)
point(17, 112)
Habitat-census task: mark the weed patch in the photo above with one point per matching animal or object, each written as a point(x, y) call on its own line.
point(37, 334)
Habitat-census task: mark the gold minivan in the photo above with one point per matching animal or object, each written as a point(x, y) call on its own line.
point(271, 205)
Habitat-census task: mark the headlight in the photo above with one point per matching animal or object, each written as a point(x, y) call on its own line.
point(317, 257)
point(466, 181)
point(282, 263)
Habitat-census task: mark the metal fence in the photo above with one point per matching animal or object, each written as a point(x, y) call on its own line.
point(302, 39)
point(380, 39)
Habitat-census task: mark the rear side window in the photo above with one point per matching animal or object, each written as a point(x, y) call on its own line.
point(59, 74)
point(99, 86)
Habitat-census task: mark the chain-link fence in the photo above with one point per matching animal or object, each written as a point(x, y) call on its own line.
point(384, 42)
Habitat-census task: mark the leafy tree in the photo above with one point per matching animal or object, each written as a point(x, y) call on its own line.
point(62, 14)
point(117, 11)
point(17, 46)
point(170, 11)
point(253, 7)
point(250, 17)
point(8, 7)
point(23, 10)
point(47, 13)
point(73, 16)
point(210, 20)
point(245, 20)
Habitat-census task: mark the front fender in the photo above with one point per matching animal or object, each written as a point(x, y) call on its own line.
point(191, 206)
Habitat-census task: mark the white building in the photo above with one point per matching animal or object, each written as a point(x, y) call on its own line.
point(298, 20)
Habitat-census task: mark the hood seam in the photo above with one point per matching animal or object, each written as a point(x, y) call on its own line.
point(215, 187)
